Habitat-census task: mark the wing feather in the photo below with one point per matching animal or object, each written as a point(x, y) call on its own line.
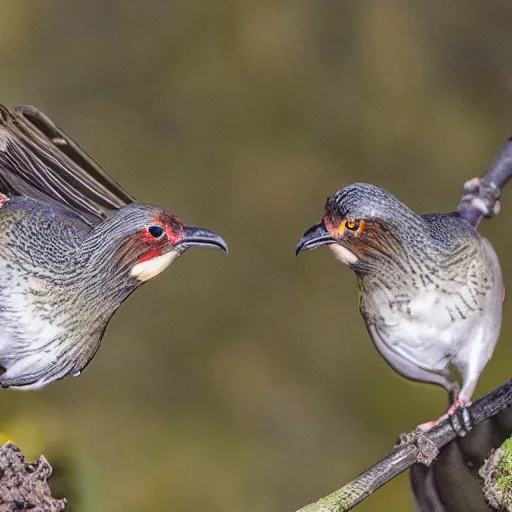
point(37, 159)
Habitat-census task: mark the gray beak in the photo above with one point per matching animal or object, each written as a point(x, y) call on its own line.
point(193, 236)
point(314, 237)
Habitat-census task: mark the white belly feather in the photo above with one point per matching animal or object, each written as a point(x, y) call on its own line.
point(425, 330)
point(27, 338)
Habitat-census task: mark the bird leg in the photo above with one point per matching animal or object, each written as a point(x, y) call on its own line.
point(3, 199)
point(429, 425)
point(459, 416)
point(460, 402)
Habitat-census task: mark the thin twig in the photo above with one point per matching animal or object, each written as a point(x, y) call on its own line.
point(405, 455)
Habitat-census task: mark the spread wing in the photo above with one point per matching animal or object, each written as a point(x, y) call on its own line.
point(38, 160)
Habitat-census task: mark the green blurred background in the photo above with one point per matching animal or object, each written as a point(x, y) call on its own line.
point(248, 382)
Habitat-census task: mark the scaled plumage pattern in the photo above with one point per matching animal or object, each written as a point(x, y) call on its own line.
point(430, 285)
point(73, 246)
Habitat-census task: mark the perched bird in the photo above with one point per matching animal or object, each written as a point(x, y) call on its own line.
point(73, 246)
point(430, 286)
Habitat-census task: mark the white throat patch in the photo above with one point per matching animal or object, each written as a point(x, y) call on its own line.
point(343, 254)
point(151, 268)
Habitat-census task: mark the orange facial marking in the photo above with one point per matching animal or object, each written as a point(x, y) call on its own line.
point(355, 227)
point(361, 227)
point(341, 228)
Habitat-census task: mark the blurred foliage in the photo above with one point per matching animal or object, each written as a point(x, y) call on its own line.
point(248, 381)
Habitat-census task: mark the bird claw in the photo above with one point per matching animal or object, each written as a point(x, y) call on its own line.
point(461, 420)
point(429, 425)
point(427, 449)
point(3, 199)
point(482, 196)
point(472, 186)
point(459, 416)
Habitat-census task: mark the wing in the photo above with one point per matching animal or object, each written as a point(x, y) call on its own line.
point(38, 160)
point(465, 267)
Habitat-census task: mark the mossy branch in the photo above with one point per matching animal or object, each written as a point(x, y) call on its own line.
point(405, 455)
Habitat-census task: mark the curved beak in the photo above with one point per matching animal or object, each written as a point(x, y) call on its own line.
point(193, 236)
point(314, 237)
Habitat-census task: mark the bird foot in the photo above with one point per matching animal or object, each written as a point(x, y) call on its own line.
point(461, 419)
point(481, 196)
point(429, 425)
point(427, 449)
point(3, 199)
point(460, 402)
point(459, 416)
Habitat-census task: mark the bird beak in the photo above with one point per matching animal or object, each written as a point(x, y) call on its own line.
point(314, 237)
point(201, 237)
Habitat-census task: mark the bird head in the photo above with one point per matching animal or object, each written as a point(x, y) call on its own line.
point(145, 240)
point(362, 224)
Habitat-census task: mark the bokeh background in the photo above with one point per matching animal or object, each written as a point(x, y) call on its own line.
point(248, 382)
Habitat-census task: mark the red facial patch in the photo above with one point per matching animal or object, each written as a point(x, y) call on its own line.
point(148, 238)
point(172, 225)
point(154, 253)
point(331, 228)
point(145, 246)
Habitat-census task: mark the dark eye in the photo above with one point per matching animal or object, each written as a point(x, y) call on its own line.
point(353, 225)
point(156, 231)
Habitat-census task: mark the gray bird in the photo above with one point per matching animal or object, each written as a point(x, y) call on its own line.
point(430, 286)
point(73, 246)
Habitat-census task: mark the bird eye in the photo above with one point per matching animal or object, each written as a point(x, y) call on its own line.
point(353, 225)
point(156, 231)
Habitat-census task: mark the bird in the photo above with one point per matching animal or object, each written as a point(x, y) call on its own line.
point(430, 286)
point(73, 246)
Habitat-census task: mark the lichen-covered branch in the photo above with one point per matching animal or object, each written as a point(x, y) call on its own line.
point(23, 485)
point(405, 455)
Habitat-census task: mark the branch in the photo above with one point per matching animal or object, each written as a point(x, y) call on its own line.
point(481, 198)
point(405, 455)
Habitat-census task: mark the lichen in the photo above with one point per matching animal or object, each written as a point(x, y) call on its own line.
point(497, 475)
point(23, 485)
